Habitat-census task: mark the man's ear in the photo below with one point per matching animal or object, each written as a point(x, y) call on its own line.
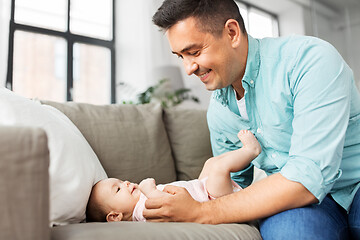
point(233, 31)
point(114, 217)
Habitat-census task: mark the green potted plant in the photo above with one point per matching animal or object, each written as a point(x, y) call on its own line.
point(160, 92)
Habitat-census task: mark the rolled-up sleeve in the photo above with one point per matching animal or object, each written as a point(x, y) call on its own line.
point(320, 84)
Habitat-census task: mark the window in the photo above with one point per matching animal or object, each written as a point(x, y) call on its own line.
point(259, 23)
point(63, 50)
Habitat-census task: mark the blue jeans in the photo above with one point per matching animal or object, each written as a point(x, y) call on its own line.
point(325, 221)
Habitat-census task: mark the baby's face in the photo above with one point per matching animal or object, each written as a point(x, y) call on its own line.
point(117, 195)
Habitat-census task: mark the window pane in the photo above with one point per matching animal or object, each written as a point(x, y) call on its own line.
point(39, 66)
point(92, 71)
point(95, 21)
point(42, 13)
point(261, 24)
point(244, 14)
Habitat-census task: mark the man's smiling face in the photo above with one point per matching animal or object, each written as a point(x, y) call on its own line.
point(212, 58)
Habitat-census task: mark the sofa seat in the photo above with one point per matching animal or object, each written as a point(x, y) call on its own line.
point(158, 231)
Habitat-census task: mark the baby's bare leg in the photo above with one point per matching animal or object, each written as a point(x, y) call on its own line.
point(148, 188)
point(218, 169)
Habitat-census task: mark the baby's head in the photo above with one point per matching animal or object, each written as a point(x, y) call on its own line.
point(112, 200)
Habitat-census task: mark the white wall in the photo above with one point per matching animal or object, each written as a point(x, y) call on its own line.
point(133, 48)
point(290, 21)
point(342, 31)
point(353, 49)
point(141, 47)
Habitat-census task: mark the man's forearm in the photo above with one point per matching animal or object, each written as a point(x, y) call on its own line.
point(272, 195)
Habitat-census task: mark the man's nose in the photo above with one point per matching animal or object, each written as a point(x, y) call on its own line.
point(190, 66)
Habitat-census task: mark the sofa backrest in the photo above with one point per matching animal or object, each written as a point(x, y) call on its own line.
point(129, 140)
point(137, 141)
point(189, 139)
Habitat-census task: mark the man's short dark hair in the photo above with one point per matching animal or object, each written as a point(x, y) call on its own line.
point(211, 14)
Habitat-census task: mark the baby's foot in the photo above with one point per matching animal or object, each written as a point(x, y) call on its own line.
point(249, 142)
point(147, 185)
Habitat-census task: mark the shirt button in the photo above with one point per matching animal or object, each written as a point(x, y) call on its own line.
point(273, 155)
point(258, 130)
point(252, 82)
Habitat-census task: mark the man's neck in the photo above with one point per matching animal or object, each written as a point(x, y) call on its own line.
point(237, 85)
point(240, 91)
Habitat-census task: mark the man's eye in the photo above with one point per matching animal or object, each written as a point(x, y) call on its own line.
point(118, 189)
point(179, 56)
point(194, 53)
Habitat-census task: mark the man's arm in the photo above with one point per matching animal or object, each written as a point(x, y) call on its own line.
point(267, 197)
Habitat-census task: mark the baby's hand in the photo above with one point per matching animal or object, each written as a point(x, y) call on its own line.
point(147, 185)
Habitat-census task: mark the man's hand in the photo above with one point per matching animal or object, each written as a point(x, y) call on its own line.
point(178, 206)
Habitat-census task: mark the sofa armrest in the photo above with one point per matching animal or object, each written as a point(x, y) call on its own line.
point(24, 184)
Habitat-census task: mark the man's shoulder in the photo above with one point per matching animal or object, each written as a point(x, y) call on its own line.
point(290, 40)
point(293, 47)
point(283, 47)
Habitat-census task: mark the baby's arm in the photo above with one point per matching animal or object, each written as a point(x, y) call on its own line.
point(148, 188)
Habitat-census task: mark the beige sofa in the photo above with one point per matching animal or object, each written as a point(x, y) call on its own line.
point(170, 145)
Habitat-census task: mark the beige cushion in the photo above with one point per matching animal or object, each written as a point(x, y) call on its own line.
point(190, 140)
point(158, 231)
point(24, 188)
point(129, 140)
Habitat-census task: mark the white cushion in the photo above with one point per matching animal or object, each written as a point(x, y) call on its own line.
point(74, 167)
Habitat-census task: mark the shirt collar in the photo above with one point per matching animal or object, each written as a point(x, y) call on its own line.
point(252, 62)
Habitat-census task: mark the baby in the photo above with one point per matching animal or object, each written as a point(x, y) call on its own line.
point(115, 200)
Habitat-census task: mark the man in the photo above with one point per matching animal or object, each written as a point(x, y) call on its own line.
point(298, 96)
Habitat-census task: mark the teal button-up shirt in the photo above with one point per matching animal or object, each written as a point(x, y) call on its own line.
point(304, 109)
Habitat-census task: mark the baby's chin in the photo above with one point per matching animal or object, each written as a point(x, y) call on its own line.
point(136, 194)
